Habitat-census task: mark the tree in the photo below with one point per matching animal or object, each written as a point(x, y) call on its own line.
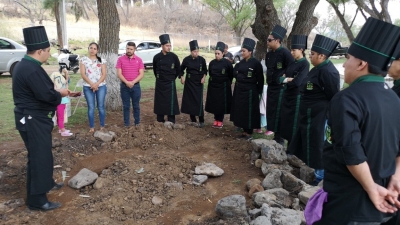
point(33, 9)
point(238, 14)
point(168, 9)
point(286, 13)
point(109, 26)
point(267, 18)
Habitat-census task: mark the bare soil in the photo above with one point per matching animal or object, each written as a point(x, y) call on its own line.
point(168, 158)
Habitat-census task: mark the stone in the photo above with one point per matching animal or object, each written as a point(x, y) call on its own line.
point(156, 200)
point(285, 216)
point(257, 144)
point(254, 189)
point(199, 179)
point(292, 183)
point(294, 161)
point(231, 207)
point(11, 204)
point(83, 178)
point(273, 153)
point(266, 211)
point(267, 168)
point(104, 136)
point(254, 213)
point(250, 183)
point(296, 204)
point(177, 185)
point(272, 180)
point(127, 210)
point(99, 183)
point(282, 197)
point(1, 175)
point(168, 125)
point(307, 174)
point(261, 220)
point(306, 194)
point(209, 169)
point(178, 126)
point(56, 143)
point(262, 197)
point(258, 163)
point(255, 155)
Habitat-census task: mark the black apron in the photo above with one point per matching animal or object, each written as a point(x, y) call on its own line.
point(165, 97)
point(192, 99)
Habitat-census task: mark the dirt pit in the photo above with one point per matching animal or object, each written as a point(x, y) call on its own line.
point(161, 194)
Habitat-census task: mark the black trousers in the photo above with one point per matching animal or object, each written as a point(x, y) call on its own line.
point(219, 117)
point(160, 118)
point(248, 131)
point(32, 200)
point(193, 119)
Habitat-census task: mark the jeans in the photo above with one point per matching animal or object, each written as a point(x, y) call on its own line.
point(133, 94)
point(100, 96)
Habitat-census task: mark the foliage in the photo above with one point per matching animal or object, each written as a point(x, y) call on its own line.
point(286, 12)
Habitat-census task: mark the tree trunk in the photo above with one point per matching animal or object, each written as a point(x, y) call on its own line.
point(109, 26)
point(238, 38)
point(266, 19)
point(346, 27)
point(305, 21)
point(58, 24)
point(385, 12)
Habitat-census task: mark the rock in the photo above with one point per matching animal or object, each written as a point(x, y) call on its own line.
point(199, 179)
point(272, 180)
point(262, 197)
point(209, 169)
point(282, 197)
point(250, 183)
point(257, 144)
point(273, 153)
point(56, 143)
point(68, 169)
point(177, 185)
point(294, 161)
point(261, 220)
point(266, 211)
point(127, 210)
point(258, 163)
point(231, 206)
point(99, 183)
point(285, 217)
point(291, 183)
point(306, 194)
point(1, 175)
point(254, 189)
point(83, 178)
point(168, 125)
point(104, 136)
point(296, 204)
point(254, 213)
point(267, 168)
point(178, 126)
point(307, 174)
point(156, 200)
point(255, 155)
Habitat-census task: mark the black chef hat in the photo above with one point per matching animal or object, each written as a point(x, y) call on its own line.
point(193, 45)
point(374, 44)
point(278, 32)
point(324, 45)
point(248, 44)
point(299, 41)
point(35, 38)
point(220, 46)
point(164, 39)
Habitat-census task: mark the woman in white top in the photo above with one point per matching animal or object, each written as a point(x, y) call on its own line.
point(93, 72)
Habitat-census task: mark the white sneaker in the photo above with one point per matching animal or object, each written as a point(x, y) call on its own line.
point(59, 131)
point(66, 133)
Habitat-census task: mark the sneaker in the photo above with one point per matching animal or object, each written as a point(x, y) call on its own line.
point(215, 124)
point(220, 124)
point(268, 133)
point(258, 131)
point(200, 125)
point(60, 131)
point(66, 134)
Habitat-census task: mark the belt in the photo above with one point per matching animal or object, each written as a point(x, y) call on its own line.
point(133, 85)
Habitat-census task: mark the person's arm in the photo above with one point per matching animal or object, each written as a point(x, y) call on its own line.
point(394, 184)
point(82, 69)
point(330, 82)
point(141, 73)
point(302, 73)
point(204, 69)
point(177, 66)
point(182, 71)
point(230, 72)
point(155, 65)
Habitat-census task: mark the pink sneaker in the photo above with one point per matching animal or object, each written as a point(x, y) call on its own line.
point(66, 134)
point(268, 132)
point(258, 131)
point(220, 124)
point(215, 124)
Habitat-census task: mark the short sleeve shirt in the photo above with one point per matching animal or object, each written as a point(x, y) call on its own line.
point(93, 70)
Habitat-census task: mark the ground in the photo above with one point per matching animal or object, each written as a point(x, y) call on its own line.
point(168, 158)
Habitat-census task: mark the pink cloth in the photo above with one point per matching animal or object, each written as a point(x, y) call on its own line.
point(130, 66)
point(313, 210)
point(60, 116)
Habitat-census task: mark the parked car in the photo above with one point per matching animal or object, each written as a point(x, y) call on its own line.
point(10, 54)
point(146, 50)
point(340, 51)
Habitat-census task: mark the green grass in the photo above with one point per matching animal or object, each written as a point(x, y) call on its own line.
point(7, 122)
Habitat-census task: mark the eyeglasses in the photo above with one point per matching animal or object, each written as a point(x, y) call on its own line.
point(269, 40)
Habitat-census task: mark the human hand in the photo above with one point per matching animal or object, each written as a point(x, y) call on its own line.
point(64, 92)
point(394, 185)
point(379, 196)
point(129, 84)
point(94, 86)
point(183, 80)
point(289, 79)
point(203, 79)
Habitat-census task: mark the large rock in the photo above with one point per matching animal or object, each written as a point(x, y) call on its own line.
point(307, 193)
point(83, 178)
point(294, 161)
point(259, 198)
point(272, 180)
point(273, 153)
point(291, 183)
point(209, 169)
point(267, 168)
point(266, 211)
point(104, 136)
point(256, 188)
point(285, 217)
point(282, 197)
point(261, 220)
point(254, 213)
point(307, 174)
point(199, 179)
point(250, 183)
point(231, 207)
point(255, 155)
point(257, 144)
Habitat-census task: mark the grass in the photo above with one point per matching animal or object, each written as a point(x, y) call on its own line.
point(7, 122)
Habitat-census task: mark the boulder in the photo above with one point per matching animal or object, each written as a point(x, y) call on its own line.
point(254, 189)
point(307, 174)
point(257, 144)
point(104, 136)
point(261, 220)
point(209, 169)
point(273, 153)
point(254, 213)
point(231, 207)
point(307, 193)
point(272, 180)
point(294, 161)
point(291, 183)
point(250, 183)
point(282, 197)
point(267, 168)
point(255, 155)
point(285, 217)
point(83, 178)
point(259, 198)
point(199, 179)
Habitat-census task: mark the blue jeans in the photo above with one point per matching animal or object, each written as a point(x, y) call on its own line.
point(128, 94)
point(100, 96)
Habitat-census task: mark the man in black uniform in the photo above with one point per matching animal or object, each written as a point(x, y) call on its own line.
point(35, 101)
point(276, 61)
point(227, 55)
point(362, 152)
point(166, 68)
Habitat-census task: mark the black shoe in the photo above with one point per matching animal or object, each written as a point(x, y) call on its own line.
point(46, 207)
point(58, 186)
